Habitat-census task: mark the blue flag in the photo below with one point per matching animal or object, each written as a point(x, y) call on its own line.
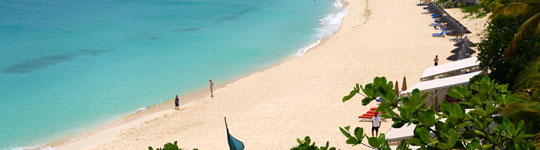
point(234, 144)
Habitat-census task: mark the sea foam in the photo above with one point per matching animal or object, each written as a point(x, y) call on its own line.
point(329, 25)
point(32, 148)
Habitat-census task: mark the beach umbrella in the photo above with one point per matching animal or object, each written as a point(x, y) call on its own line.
point(397, 88)
point(234, 144)
point(465, 42)
point(463, 49)
point(404, 86)
point(458, 56)
point(463, 30)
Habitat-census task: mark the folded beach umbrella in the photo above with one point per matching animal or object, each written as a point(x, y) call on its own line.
point(465, 42)
point(464, 50)
point(234, 144)
point(404, 86)
point(397, 88)
point(458, 56)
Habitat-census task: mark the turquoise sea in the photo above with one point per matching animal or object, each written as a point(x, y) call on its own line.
point(67, 66)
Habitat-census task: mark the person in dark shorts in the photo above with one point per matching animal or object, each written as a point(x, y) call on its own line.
point(176, 103)
point(376, 121)
point(436, 60)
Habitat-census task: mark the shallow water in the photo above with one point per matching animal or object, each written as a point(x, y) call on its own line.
point(66, 66)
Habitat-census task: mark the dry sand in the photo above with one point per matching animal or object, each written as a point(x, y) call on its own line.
point(302, 96)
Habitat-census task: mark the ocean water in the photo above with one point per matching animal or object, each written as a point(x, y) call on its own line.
point(67, 66)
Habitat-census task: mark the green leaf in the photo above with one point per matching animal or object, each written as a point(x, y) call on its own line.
point(373, 141)
point(398, 124)
point(486, 146)
point(348, 97)
point(345, 131)
point(427, 117)
point(480, 133)
point(457, 92)
point(442, 146)
point(510, 128)
point(359, 133)
point(524, 136)
point(465, 104)
point(453, 137)
point(519, 126)
point(307, 139)
point(385, 115)
point(423, 133)
point(381, 139)
point(366, 100)
point(479, 111)
point(415, 142)
point(403, 145)
point(352, 141)
point(461, 125)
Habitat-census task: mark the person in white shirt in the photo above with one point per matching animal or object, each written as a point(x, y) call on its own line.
point(376, 121)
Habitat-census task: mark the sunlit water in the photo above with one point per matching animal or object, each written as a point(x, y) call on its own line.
point(66, 66)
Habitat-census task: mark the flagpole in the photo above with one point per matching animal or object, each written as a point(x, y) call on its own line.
point(226, 123)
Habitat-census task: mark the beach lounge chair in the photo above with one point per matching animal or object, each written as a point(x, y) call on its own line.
point(365, 118)
point(438, 34)
point(458, 39)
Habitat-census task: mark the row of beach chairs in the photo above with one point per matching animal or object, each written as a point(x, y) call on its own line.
point(368, 115)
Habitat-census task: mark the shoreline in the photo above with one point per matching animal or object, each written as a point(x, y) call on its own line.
point(167, 106)
point(291, 97)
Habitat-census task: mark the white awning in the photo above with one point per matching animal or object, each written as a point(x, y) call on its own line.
point(450, 67)
point(442, 83)
point(398, 134)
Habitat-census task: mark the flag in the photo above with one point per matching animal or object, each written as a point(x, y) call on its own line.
point(234, 144)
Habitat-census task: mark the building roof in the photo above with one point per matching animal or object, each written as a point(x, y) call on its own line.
point(449, 67)
point(443, 82)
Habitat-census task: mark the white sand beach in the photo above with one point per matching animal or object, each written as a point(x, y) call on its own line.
point(301, 96)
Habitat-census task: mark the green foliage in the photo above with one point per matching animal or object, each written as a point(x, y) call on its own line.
point(527, 82)
point(512, 39)
point(307, 145)
point(170, 146)
point(353, 140)
point(475, 11)
point(524, 109)
point(500, 32)
point(479, 128)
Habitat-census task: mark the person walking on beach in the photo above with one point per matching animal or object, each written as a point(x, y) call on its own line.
point(176, 103)
point(436, 60)
point(376, 121)
point(211, 88)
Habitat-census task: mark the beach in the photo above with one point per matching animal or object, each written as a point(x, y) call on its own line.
point(301, 96)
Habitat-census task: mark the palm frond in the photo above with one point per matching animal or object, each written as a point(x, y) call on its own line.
point(530, 28)
point(523, 110)
point(527, 75)
point(537, 140)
